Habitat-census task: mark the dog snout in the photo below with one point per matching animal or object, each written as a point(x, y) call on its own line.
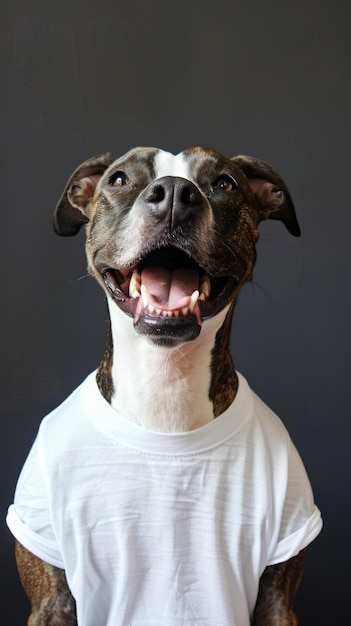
point(172, 199)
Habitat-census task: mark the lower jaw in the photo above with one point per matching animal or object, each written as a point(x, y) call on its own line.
point(168, 332)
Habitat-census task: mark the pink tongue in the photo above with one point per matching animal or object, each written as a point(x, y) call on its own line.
point(167, 289)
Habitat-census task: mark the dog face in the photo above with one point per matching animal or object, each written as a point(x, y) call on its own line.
point(171, 238)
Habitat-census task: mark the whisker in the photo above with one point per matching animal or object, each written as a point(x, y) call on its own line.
point(253, 284)
point(235, 256)
point(76, 280)
point(217, 232)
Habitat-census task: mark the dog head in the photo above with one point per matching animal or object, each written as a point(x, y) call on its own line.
point(171, 238)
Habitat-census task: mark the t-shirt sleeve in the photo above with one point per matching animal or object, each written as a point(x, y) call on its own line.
point(29, 517)
point(301, 520)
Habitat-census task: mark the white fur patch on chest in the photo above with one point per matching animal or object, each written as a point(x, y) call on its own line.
point(168, 164)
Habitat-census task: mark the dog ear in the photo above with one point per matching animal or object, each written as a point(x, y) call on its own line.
point(274, 200)
point(73, 208)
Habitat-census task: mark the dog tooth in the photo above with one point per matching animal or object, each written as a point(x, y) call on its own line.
point(152, 309)
point(205, 287)
point(185, 310)
point(158, 312)
point(134, 285)
point(193, 300)
point(176, 313)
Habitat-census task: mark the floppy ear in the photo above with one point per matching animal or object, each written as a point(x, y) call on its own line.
point(273, 197)
point(73, 209)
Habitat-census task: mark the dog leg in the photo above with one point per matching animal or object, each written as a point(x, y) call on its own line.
point(278, 585)
point(46, 586)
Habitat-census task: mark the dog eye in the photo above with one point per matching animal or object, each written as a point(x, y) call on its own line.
point(118, 179)
point(225, 183)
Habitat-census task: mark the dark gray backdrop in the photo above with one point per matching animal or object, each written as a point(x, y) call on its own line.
point(270, 79)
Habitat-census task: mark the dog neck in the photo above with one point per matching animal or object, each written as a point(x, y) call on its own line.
point(166, 389)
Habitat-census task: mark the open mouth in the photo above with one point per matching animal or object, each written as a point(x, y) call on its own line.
point(169, 286)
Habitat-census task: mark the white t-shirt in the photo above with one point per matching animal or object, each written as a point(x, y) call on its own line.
point(161, 529)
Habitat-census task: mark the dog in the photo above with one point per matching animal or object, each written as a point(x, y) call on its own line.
point(171, 239)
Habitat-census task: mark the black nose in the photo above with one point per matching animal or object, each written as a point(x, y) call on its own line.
point(172, 198)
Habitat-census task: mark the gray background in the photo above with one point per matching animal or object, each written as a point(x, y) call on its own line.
point(269, 79)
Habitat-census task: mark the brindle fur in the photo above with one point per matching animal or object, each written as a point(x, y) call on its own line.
point(278, 586)
point(103, 374)
point(46, 586)
point(224, 383)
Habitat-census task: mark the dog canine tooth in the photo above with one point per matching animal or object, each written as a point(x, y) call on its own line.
point(193, 300)
point(134, 285)
point(205, 288)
